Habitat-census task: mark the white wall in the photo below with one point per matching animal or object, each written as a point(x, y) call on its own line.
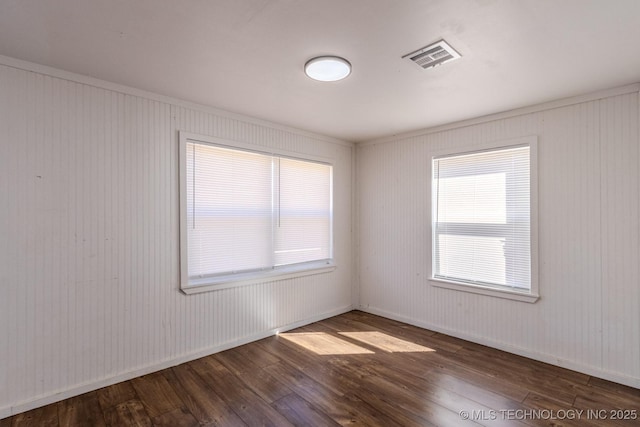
point(588, 316)
point(89, 291)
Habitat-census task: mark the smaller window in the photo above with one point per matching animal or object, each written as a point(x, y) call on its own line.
point(249, 216)
point(482, 221)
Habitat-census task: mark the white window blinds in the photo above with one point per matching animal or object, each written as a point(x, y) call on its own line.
point(303, 208)
point(482, 224)
point(248, 211)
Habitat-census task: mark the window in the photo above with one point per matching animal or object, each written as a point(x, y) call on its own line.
point(248, 215)
point(482, 220)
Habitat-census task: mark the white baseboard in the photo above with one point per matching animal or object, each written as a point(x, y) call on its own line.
point(79, 389)
point(539, 356)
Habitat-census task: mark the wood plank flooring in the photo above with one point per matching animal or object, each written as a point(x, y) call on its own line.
point(353, 369)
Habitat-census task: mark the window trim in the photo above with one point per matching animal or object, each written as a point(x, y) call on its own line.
point(531, 295)
point(227, 281)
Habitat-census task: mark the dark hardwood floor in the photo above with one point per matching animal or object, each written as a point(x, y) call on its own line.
point(355, 369)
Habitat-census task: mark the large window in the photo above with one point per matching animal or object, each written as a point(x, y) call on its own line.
point(482, 218)
point(248, 215)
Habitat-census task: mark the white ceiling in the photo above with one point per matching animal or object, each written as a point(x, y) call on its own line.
point(247, 56)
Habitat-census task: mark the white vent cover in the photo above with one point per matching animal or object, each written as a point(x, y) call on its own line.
point(435, 54)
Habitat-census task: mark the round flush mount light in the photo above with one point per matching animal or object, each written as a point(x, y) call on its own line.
point(327, 68)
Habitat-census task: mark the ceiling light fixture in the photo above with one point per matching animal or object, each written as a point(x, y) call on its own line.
point(327, 68)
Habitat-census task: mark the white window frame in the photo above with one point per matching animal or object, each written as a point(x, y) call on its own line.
point(191, 286)
point(530, 295)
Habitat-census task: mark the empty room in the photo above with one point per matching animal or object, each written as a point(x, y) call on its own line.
point(319, 213)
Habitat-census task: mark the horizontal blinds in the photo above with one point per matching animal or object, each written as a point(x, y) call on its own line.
point(250, 211)
point(228, 210)
point(303, 228)
point(482, 218)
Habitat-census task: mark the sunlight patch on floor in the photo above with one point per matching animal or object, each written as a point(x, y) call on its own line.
point(324, 344)
point(386, 342)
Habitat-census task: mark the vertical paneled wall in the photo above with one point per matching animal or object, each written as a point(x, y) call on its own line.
point(89, 290)
point(588, 316)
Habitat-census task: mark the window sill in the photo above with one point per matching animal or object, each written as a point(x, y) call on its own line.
point(209, 284)
point(522, 296)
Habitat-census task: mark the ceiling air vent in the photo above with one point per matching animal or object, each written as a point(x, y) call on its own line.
point(435, 54)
